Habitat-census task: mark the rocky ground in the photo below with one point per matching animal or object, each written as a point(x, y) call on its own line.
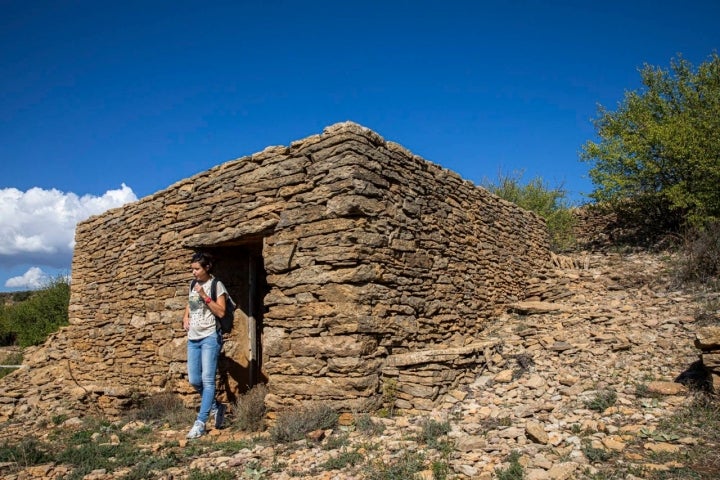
point(581, 390)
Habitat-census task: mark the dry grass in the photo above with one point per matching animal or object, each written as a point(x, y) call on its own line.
point(293, 425)
point(164, 406)
point(250, 410)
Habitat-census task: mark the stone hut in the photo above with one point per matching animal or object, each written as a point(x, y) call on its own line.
point(357, 266)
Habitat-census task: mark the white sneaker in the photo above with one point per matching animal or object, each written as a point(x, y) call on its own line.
point(197, 430)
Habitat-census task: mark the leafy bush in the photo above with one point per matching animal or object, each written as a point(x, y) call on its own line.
point(31, 321)
point(250, 409)
point(659, 149)
point(293, 425)
point(549, 203)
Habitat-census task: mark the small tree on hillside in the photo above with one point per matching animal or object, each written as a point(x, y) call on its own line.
point(659, 152)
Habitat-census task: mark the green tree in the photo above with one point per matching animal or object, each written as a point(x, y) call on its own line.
point(31, 321)
point(548, 202)
point(660, 150)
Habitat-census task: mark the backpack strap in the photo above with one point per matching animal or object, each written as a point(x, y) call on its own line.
point(213, 289)
point(213, 295)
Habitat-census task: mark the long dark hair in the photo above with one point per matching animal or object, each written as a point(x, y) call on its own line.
point(204, 259)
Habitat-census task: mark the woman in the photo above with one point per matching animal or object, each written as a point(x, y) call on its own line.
point(204, 340)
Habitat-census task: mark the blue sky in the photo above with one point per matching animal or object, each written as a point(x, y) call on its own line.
point(105, 102)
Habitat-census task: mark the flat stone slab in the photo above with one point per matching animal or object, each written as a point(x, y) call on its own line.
point(538, 307)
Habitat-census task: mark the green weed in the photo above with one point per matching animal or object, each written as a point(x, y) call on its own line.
point(405, 467)
point(602, 400)
point(196, 474)
point(365, 424)
point(343, 460)
point(431, 432)
point(514, 471)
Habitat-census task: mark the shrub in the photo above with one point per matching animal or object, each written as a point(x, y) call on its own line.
point(432, 430)
point(368, 426)
point(700, 256)
point(31, 321)
point(707, 312)
point(336, 442)
point(250, 409)
point(7, 335)
point(293, 425)
point(545, 201)
point(660, 147)
point(165, 406)
point(389, 397)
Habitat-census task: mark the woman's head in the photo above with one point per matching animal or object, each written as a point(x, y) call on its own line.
point(201, 264)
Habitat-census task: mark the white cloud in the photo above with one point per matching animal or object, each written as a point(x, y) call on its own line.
point(31, 280)
point(37, 227)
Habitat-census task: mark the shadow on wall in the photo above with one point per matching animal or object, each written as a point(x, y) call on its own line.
point(235, 378)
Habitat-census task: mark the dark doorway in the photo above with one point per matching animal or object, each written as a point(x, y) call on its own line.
point(242, 271)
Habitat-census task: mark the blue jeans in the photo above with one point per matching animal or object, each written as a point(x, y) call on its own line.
point(202, 357)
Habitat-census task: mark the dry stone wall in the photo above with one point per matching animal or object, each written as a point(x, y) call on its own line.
point(376, 261)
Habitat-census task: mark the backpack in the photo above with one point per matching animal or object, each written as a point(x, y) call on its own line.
point(224, 324)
